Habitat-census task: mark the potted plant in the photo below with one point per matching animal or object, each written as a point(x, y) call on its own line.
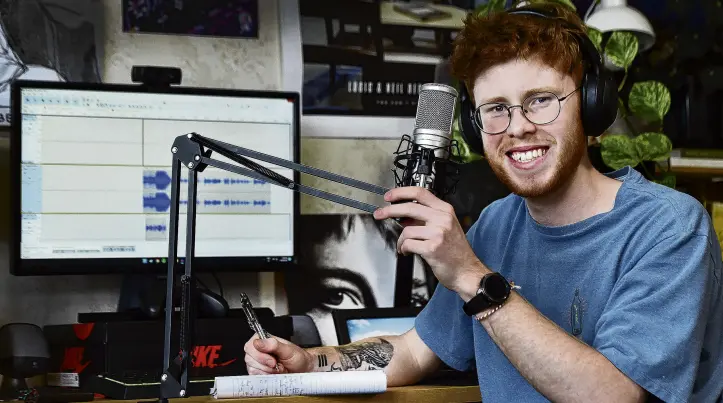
point(642, 145)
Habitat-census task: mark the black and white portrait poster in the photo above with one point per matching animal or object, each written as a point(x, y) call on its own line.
point(368, 58)
point(348, 261)
point(47, 40)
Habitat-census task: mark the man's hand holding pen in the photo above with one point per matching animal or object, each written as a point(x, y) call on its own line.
point(263, 355)
point(267, 354)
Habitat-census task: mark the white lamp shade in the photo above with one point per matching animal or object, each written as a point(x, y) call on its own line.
point(623, 18)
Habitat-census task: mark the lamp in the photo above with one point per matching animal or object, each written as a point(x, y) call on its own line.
point(616, 15)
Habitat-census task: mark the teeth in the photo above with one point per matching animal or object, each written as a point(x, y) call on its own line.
point(528, 155)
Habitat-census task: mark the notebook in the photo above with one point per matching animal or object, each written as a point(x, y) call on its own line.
point(311, 383)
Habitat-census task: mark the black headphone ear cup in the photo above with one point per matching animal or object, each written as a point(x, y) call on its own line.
point(609, 94)
point(467, 127)
point(588, 99)
point(599, 107)
point(599, 96)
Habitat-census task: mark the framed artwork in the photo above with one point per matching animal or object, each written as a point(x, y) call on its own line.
point(217, 18)
point(348, 261)
point(359, 63)
point(355, 324)
point(48, 40)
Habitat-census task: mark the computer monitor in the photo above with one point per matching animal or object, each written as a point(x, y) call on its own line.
point(91, 178)
point(352, 325)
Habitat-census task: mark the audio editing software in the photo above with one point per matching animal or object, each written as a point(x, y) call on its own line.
point(96, 178)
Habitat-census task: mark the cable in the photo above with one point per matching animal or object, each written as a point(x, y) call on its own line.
point(590, 10)
point(218, 281)
point(198, 279)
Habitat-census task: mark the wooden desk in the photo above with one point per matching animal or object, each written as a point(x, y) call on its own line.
point(405, 394)
point(391, 17)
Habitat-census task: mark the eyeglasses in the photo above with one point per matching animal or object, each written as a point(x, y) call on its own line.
point(540, 109)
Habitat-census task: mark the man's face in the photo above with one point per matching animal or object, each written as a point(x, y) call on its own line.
point(556, 148)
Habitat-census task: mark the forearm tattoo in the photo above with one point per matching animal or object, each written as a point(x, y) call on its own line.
point(368, 355)
point(361, 356)
point(322, 360)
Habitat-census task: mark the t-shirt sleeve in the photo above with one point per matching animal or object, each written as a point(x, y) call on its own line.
point(653, 325)
point(445, 328)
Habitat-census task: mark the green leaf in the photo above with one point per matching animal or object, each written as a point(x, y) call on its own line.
point(462, 153)
point(596, 37)
point(650, 100)
point(653, 146)
point(618, 151)
point(622, 48)
point(491, 6)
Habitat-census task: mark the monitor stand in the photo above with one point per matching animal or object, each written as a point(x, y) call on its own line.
point(142, 297)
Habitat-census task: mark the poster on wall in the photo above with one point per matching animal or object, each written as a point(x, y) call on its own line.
point(47, 40)
point(369, 58)
point(217, 18)
point(348, 261)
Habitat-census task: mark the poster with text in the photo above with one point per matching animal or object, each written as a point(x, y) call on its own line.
point(47, 40)
point(369, 57)
point(348, 261)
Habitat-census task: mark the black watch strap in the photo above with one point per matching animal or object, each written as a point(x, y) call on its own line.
point(477, 304)
point(493, 290)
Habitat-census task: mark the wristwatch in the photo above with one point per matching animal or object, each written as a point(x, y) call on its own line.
point(493, 290)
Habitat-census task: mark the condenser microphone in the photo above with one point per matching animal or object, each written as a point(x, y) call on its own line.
point(423, 159)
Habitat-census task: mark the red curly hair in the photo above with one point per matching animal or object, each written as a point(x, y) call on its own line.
point(491, 39)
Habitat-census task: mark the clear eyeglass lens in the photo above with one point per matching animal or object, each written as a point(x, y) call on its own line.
point(540, 109)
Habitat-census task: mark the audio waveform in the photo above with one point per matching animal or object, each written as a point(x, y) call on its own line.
point(229, 202)
point(159, 201)
point(156, 228)
point(159, 179)
point(227, 181)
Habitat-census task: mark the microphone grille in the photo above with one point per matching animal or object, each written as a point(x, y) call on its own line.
point(435, 107)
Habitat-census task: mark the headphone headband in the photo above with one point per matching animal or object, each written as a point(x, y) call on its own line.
point(588, 49)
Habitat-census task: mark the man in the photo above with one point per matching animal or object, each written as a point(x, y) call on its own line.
point(620, 278)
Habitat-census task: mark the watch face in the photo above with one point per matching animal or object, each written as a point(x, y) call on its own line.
point(496, 287)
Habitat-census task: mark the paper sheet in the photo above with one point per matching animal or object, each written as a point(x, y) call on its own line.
point(313, 383)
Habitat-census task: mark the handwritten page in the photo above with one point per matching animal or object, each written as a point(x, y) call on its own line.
point(312, 383)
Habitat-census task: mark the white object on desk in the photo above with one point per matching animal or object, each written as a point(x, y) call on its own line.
point(311, 383)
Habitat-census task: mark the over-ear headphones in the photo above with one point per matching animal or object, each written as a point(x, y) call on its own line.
point(598, 92)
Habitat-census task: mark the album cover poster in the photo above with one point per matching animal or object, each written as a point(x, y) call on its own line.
point(369, 58)
point(348, 261)
point(217, 18)
point(48, 40)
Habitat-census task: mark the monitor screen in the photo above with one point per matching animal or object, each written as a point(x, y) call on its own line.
point(374, 327)
point(92, 175)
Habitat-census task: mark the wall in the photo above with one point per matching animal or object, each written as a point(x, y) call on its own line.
point(210, 62)
point(229, 63)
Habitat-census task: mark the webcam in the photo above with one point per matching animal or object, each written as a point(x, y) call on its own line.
point(156, 76)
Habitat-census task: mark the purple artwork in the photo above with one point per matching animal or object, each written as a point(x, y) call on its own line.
point(220, 18)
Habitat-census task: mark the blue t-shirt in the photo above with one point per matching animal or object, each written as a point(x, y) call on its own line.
point(641, 284)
